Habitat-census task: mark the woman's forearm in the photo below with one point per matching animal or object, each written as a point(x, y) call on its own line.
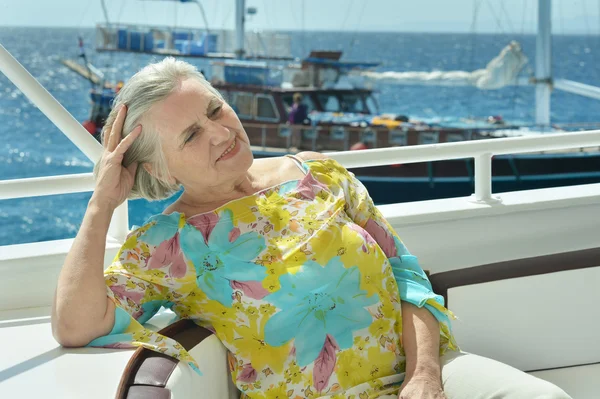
point(79, 312)
point(421, 341)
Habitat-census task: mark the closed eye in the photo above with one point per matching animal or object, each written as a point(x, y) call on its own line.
point(191, 136)
point(214, 114)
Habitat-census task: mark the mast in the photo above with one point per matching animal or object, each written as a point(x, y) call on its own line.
point(239, 28)
point(543, 64)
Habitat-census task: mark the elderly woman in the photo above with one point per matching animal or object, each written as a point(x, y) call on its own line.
point(286, 259)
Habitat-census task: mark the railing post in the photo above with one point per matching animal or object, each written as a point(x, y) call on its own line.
point(119, 224)
point(264, 137)
point(483, 179)
point(315, 137)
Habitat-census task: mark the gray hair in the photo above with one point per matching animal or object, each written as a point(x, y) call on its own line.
point(151, 85)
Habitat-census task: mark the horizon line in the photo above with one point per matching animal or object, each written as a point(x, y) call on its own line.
point(573, 33)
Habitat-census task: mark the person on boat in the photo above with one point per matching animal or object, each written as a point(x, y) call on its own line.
point(287, 260)
point(299, 113)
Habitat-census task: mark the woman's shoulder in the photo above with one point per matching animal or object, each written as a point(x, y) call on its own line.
point(311, 156)
point(321, 164)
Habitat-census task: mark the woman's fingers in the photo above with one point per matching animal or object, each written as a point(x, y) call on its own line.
point(116, 130)
point(128, 140)
point(106, 137)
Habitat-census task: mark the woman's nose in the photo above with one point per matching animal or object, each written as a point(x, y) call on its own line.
point(220, 134)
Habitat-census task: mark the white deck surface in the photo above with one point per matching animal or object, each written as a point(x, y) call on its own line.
point(34, 365)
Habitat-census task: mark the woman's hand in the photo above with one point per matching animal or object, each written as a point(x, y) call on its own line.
point(421, 387)
point(114, 181)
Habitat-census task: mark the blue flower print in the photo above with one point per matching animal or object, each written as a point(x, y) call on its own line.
point(221, 256)
point(315, 302)
point(166, 226)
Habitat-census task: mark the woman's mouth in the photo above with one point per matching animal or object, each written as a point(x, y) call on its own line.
point(228, 150)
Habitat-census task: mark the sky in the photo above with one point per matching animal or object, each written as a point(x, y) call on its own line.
point(478, 16)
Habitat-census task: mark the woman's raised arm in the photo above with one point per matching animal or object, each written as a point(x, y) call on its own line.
point(81, 310)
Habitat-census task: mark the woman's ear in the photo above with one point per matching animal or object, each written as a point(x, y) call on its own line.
point(148, 168)
point(169, 179)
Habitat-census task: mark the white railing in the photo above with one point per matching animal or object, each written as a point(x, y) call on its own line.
point(48, 185)
point(481, 150)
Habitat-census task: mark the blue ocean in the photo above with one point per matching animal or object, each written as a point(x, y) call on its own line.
point(31, 146)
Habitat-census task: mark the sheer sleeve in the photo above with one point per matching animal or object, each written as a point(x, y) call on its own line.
point(413, 284)
point(138, 286)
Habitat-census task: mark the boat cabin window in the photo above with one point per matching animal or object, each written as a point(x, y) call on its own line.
point(288, 101)
point(265, 108)
point(242, 104)
point(342, 102)
point(352, 103)
point(329, 102)
point(372, 105)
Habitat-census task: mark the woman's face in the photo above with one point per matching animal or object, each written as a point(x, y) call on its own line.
point(203, 140)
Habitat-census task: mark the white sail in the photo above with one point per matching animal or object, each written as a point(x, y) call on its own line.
point(499, 72)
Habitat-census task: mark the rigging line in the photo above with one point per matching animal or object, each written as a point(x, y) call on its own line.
point(353, 40)
point(226, 37)
point(203, 15)
point(561, 7)
point(473, 43)
point(294, 14)
point(508, 21)
point(268, 19)
point(175, 15)
point(145, 16)
point(585, 18)
point(216, 9)
point(347, 14)
point(227, 14)
point(523, 13)
point(588, 35)
point(267, 14)
point(303, 8)
point(498, 21)
point(517, 86)
point(121, 12)
point(473, 31)
point(87, 8)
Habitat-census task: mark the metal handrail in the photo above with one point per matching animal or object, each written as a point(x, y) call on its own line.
point(47, 185)
point(481, 150)
point(468, 149)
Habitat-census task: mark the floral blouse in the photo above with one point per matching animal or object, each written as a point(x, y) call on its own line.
point(302, 283)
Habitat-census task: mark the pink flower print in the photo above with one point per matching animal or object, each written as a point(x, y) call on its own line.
point(122, 292)
point(383, 238)
point(308, 186)
point(205, 222)
point(365, 235)
point(168, 254)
